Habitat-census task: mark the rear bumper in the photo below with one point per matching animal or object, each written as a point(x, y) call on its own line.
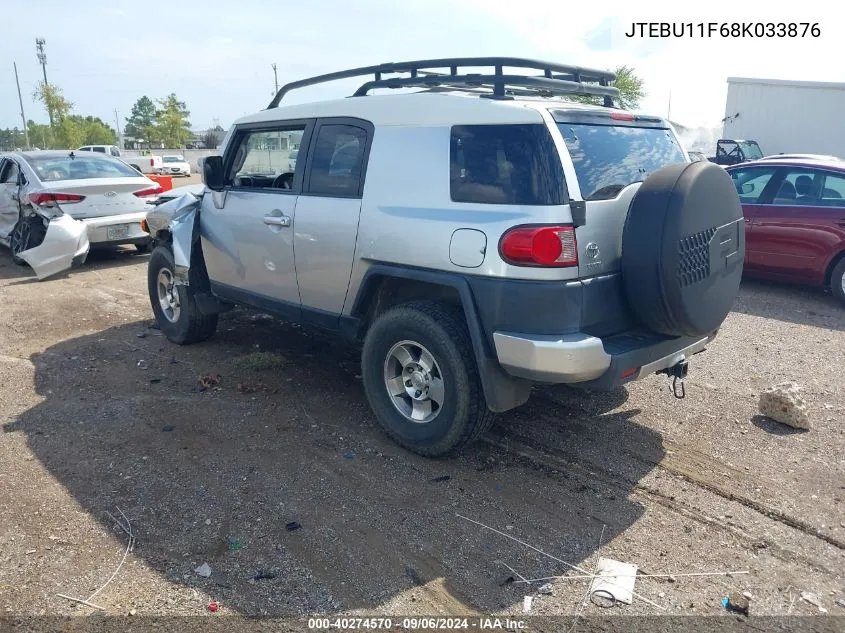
point(590, 361)
point(98, 229)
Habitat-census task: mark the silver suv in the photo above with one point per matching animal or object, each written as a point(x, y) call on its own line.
point(478, 235)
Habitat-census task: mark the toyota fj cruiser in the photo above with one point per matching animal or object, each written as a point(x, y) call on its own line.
point(478, 235)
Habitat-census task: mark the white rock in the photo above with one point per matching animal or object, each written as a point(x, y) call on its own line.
point(782, 403)
point(203, 570)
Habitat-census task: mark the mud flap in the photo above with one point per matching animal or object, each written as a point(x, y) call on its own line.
point(65, 243)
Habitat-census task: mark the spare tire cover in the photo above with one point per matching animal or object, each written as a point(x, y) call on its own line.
point(683, 248)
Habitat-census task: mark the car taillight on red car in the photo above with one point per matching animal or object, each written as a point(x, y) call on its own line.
point(552, 246)
point(51, 199)
point(151, 191)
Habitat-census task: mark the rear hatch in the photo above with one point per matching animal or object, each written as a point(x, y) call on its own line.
point(612, 153)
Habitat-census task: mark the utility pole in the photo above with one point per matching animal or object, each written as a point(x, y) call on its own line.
point(119, 135)
point(42, 59)
point(669, 113)
point(20, 99)
point(276, 77)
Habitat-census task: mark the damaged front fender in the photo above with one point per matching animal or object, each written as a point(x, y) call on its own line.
point(178, 217)
point(65, 244)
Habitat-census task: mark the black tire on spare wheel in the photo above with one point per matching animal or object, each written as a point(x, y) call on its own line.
point(683, 248)
point(421, 379)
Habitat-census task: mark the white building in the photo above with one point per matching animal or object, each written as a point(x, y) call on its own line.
point(786, 116)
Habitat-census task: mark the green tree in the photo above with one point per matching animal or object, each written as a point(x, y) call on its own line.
point(12, 139)
point(141, 123)
point(172, 124)
point(94, 130)
point(630, 88)
point(39, 134)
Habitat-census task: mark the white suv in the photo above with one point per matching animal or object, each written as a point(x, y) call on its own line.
point(477, 236)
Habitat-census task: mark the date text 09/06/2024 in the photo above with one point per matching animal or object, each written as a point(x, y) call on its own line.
point(416, 623)
point(724, 29)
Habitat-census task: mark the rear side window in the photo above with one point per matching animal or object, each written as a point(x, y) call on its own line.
point(102, 150)
point(608, 158)
point(338, 161)
point(505, 164)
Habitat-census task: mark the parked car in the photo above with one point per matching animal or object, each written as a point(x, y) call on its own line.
point(735, 151)
point(292, 159)
point(794, 221)
point(148, 164)
point(51, 200)
point(175, 165)
point(474, 244)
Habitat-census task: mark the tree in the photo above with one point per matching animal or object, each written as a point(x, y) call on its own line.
point(630, 90)
point(12, 139)
point(209, 139)
point(141, 123)
point(94, 130)
point(172, 124)
point(39, 134)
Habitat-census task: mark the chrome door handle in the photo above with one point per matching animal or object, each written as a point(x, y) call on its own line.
point(277, 220)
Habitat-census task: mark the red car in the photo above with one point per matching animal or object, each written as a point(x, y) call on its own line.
point(794, 220)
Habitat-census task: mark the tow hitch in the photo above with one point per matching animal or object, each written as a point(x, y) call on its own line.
point(678, 372)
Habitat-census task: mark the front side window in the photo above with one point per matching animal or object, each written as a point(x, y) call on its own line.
point(608, 158)
point(751, 182)
point(9, 174)
point(262, 159)
point(338, 161)
point(505, 164)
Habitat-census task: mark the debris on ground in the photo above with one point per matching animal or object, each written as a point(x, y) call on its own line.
point(167, 428)
point(141, 334)
point(840, 603)
point(234, 544)
point(155, 381)
point(736, 602)
point(210, 381)
point(265, 575)
point(204, 571)
point(814, 600)
point(614, 580)
point(142, 364)
point(293, 525)
point(527, 601)
point(546, 589)
point(213, 606)
point(440, 479)
point(261, 361)
point(349, 455)
point(783, 403)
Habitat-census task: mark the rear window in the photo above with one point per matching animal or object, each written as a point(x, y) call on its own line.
point(79, 167)
point(505, 164)
point(608, 158)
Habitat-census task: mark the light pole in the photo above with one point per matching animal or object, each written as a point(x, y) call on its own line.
point(20, 99)
point(276, 78)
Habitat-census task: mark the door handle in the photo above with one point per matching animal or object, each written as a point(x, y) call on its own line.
point(277, 220)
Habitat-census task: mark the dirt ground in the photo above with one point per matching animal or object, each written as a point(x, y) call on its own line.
point(101, 416)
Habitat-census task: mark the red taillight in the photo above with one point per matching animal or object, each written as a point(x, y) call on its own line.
point(152, 163)
point(622, 116)
point(629, 372)
point(50, 199)
point(540, 246)
point(152, 191)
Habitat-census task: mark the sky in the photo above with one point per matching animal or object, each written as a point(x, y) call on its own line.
point(217, 56)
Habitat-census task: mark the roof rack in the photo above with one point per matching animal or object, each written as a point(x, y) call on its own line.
point(557, 79)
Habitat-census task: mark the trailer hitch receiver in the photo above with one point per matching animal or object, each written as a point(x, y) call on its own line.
point(678, 372)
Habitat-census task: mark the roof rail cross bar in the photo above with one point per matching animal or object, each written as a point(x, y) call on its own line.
point(497, 82)
point(453, 64)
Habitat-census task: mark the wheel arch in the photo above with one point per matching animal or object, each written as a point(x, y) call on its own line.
point(387, 285)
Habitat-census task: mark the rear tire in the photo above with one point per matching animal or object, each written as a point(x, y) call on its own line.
point(837, 281)
point(439, 347)
point(28, 233)
point(175, 309)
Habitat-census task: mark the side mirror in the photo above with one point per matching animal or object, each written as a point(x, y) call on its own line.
point(212, 173)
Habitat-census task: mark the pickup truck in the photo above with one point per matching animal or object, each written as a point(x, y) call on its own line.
point(735, 151)
point(144, 164)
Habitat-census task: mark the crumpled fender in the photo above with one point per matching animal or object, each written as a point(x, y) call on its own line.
point(178, 216)
point(65, 243)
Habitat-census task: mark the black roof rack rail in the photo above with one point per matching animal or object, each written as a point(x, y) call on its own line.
point(557, 79)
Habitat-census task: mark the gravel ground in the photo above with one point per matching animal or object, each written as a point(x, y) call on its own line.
point(102, 415)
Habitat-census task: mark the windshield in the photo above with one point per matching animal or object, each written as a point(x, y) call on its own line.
point(751, 150)
point(608, 158)
point(79, 166)
point(173, 159)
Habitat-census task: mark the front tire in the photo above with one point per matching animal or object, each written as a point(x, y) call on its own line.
point(421, 380)
point(176, 312)
point(837, 281)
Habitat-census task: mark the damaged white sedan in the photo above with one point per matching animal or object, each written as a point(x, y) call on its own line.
point(56, 205)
